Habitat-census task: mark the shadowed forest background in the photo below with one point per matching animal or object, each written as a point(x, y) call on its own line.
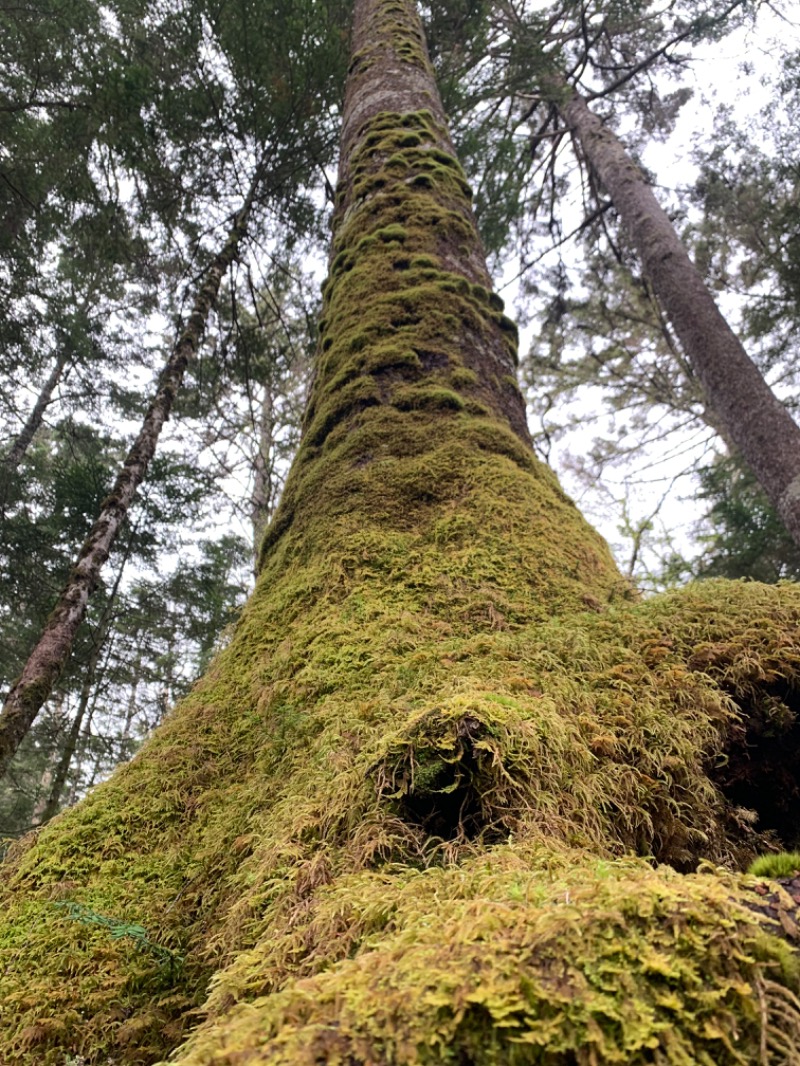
point(445, 706)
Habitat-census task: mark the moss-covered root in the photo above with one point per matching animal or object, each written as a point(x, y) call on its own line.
point(348, 734)
point(522, 957)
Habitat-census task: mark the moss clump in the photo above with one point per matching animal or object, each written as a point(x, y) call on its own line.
point(434, 397)
point(516, 958)
point(782, 864)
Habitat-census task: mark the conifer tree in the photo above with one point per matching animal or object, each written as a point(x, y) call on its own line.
point(445, 795)
point(748, 412)
point(47, 659)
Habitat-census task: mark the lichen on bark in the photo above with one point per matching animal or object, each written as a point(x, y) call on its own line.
point(451, 794)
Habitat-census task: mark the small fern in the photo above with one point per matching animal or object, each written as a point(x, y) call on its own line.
point(122, 930)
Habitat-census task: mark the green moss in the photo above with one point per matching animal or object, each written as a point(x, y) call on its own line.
point(385, 235)
point(433, 397)
point(415, 810)
point(405, 667)
point(782, 864)
point(609, 962)
point(355, 395)
point(422, 181)
point(463, 378)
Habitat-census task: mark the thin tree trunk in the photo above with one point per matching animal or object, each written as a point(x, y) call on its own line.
point(263, 468)
point(52, 651)
point(748, 412)
point(80, 750)
point(59, 775)
point(20, 446)
point(46, 780)
point(130, 711)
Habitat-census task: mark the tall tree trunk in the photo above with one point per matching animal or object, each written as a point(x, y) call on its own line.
point(23, 440)
point(49, 656)
point(747, 411)
point(262, 501)
point(420, 808)
point(59, 775)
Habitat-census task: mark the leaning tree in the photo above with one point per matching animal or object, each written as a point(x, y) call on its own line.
point(451, 794)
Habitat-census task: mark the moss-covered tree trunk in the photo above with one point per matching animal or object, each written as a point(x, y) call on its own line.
point(415, 811)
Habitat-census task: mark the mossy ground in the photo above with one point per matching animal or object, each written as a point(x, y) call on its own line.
point(414, 811)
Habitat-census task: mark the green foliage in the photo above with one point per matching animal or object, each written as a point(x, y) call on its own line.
point(742, 536)
point(145, 639)
point(119, 929)
point(747, 238)
point(784, 864)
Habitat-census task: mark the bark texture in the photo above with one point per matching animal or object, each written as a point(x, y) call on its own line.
point(23, 440)
point(444, 796)
point(48, 658)
point(747, 411)
point(263, 496)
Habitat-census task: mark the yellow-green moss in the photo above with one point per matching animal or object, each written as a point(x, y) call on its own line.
point(292, 781)
point(535, 958)
point(414, 810)
point(781, 864)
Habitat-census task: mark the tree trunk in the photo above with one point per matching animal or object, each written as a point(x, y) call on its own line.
point(22, 442)
point(748, 413)
point(58, 777)
point(49, 656)
point(262, 501)
point(133, 703)
point(441, 797)
point(10, 462)
point(46, 780)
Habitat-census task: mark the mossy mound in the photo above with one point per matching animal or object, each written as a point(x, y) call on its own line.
point(366, 754)
point(515, 957)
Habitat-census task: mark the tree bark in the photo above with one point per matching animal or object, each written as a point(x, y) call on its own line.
point(46, 781)
point(263, 497)
point(58, 777)
point(748, 412)
point(49, 656)
point(23, 440)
